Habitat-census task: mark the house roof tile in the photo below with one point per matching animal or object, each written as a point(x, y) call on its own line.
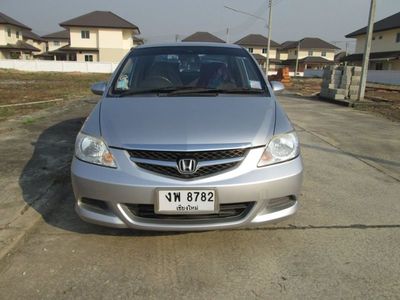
point(391, 22)
point(202, 36)
point(256, 40)
point(309, 43)
point(59, 35)
point(31, 35)
point(103, 19)
point(4, 19)
point(22, 46)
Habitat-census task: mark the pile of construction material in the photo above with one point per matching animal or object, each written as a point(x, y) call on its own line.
point(340, 83)
point(282, 76)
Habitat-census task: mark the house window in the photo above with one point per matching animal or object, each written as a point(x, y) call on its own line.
point(295, 52)
point(9, 32)
point(85, 34)
point(310, 53)
point(398, 37)
point(251, 50)
point(323, 53)
point(380, 37)
point(373, 38)
point(264, 50)
point(88, 57)
point(17, 34)
point(56, 43)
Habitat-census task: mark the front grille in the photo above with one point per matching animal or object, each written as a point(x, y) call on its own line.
point(221, 160)
point(198, 155)
point(226, 211)
point(171, 171)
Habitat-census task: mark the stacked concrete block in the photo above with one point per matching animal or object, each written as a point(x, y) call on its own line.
point(339, 83)
point(331, 81)
point(355, 83)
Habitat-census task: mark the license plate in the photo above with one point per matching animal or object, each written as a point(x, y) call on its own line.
point(186, 202)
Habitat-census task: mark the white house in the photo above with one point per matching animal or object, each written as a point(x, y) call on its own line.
point(12, 43)
point(310, 52)
point(97, 36)
point(385, 47)
point(257, 45)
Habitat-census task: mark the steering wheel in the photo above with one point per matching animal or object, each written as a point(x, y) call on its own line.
point(161, 79)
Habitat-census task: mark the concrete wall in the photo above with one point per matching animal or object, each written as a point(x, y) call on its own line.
point(388, 77)
point(313, 73)
point(57, 66)
point(385, 77)
point(384, 41)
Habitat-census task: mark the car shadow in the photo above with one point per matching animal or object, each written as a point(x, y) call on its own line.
point(46, 185)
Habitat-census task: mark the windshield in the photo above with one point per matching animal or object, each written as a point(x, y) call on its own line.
point(189, 70)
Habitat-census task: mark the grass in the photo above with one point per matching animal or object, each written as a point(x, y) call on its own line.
point(23, 87)
point(30, 120)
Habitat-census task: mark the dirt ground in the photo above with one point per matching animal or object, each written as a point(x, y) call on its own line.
point(23, 87)
point(384, 102)
point(340, 245)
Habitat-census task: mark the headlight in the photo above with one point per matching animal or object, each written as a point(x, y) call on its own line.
point(282, 147)
point(93, 150)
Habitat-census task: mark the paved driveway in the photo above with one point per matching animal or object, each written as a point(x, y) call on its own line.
point(343, 243)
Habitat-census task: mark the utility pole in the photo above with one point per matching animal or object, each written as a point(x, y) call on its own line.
point(269, 36)
point(367, 50)
point(297, 58)
point(227, 35)
point(176, 37)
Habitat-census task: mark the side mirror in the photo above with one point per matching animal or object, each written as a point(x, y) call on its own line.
point(277, 86)
point(98, 88)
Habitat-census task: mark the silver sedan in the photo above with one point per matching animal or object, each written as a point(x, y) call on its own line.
point(187, 136)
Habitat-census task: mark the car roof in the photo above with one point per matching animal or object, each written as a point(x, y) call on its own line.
point(189, 44)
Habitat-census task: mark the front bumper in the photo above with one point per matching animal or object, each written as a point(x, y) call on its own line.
point(129, 184)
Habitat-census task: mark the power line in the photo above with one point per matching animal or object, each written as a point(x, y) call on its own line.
point(277, 2)
point(245, 13)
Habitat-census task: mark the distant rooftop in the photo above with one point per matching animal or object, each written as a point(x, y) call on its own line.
point(27, 34)
point(20, 46)
point(4, 19)
point(59, 35)
point(256, 40)
point(202, 36)
point(391, 22)
point(308, 43)
point(103, 19)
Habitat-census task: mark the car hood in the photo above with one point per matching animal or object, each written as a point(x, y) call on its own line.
point(187, 123)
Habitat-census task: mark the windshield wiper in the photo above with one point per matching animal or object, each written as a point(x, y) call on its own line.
point(195, 90)
point(171, 91)
point(147, 91)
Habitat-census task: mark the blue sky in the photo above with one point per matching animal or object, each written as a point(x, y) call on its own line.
point(161, 20)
